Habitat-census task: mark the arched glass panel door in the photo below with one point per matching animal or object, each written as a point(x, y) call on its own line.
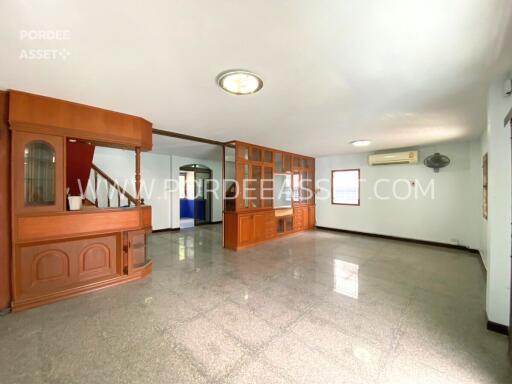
point(39, 174)
point(195, 195)
point(203, 198)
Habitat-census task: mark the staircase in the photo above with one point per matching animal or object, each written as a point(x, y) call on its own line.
point(85, 179)
point(107, 192)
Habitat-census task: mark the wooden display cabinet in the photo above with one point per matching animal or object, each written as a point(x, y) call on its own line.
point(57, 253)
point(251, 215)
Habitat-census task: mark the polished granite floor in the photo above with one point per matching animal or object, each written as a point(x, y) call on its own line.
point(317, 307)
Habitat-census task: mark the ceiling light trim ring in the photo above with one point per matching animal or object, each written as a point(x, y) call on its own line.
point(232, 72)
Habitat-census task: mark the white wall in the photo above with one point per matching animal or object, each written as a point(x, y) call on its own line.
point(451, 217)
point(155, 169)
point(156, 189)
point(498, 228)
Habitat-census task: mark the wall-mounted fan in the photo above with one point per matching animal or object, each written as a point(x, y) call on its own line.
point(436, 161)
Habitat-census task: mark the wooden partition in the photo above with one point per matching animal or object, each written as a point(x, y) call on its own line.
point(42, 114)
point(57, 253)
point(5, 205)
point(251, 215)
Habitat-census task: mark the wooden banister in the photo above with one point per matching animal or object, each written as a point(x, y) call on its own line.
point(111, 183)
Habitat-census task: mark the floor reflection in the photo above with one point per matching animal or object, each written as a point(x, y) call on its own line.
point(346, 278)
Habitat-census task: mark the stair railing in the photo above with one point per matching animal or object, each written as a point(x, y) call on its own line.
point(111, 185)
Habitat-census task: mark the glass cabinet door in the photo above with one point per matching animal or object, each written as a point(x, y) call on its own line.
point(287, 163)
point(268, 183)
point(296, 186)
point(39, 174)
point(242, 151)
point(303, 187)
point(255, 154)
point(267, 156)
point(245, 186)
point(38, 170)
point(278, 162)
point(255, 186)
point(311, 188)
point(242, 176)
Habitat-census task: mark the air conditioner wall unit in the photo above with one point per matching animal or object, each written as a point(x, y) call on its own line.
point(409, 157)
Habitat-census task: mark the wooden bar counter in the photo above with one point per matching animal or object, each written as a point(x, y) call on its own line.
point(56, 252)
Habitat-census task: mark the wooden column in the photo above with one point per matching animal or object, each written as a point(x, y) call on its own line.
point(137, 177)
point(5, 205)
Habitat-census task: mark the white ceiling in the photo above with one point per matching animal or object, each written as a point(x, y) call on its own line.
point(398, 72)
point(185, 148)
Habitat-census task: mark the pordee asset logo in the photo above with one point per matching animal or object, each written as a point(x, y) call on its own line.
point(45, 53)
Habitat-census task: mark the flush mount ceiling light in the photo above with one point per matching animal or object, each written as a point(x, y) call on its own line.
point(360, 143)
point(239, 82)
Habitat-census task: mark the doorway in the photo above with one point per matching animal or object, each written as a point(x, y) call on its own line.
point(195, 195)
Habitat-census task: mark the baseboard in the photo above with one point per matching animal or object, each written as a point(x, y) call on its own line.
point(389, 237)
point(498, 328)
point(165, 230)
point(177, 229)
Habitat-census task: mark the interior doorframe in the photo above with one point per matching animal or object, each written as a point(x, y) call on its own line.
point(177, 135)
point(207, 197)
point(194, 168)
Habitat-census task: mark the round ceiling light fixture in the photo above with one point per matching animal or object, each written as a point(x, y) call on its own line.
point(239, 82)
point(360, 143)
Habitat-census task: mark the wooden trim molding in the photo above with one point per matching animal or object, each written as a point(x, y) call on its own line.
point(41, 114)
point(5, 204)
point(358, 188)
point(182, 136)
point(65, 225)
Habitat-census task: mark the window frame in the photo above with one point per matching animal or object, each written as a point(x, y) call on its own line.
point(358, 187)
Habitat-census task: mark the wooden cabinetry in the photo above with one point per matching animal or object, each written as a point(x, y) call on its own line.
point(246, 229)
point(49, 268)
point(58, 253)
point(253, 218)
point(303, 217)
point(311, 216)
point(137, 250)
